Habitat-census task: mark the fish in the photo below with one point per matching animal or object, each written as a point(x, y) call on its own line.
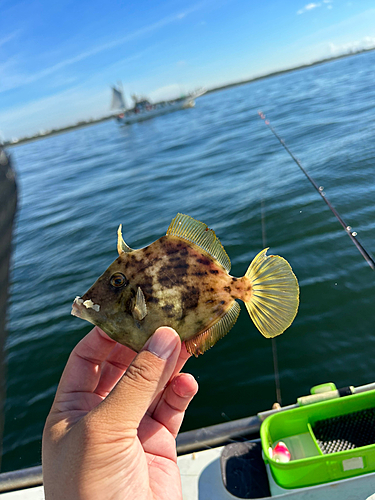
point(182, 281)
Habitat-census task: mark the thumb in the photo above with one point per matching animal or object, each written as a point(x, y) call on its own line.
point(145, 377)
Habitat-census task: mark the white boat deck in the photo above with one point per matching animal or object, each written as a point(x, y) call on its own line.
point(201, 480)
point(36, 493)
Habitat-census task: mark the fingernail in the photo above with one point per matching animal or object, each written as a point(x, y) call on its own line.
point(162, 343)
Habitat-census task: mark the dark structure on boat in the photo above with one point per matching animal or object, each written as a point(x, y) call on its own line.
point(8, 205)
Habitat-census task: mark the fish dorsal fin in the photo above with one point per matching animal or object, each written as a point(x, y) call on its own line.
point(274, 303)
point(121, 245)
point(203, 341)
point(189, 229)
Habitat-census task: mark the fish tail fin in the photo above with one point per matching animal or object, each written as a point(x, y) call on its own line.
point(275, 294)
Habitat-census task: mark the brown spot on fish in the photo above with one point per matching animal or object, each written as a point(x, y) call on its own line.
point(169, 310)
point(214, 271)
point(165, 280)
point(174, 259)
point(153, 299)
point(190, 298)
point(183, 266)
point(147, 285)
point(227, 289)
point(171, 250)
point(200, 273)
point(177, 274)
point(205, 262)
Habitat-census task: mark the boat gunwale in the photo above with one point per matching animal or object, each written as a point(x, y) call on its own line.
point(186, 442)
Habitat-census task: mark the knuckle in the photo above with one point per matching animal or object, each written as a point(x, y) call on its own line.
point(143, 372)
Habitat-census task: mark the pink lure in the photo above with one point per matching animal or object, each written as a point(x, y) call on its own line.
point(280, 453)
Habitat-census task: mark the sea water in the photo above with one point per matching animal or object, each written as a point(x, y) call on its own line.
point(220, 164)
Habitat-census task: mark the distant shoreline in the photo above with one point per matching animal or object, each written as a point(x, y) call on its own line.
point(289, 70)
point(86, 123)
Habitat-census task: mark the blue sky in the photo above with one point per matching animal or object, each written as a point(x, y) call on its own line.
point(58, 58)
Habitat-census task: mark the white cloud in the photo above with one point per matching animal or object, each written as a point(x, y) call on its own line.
point(367, 42)
point(309, 6)
point(312, 6)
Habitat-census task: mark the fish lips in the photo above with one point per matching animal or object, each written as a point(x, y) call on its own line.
point(87, 310)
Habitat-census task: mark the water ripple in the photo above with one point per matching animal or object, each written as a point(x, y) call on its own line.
point(220, 164)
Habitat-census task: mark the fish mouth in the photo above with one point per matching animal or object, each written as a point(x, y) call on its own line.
point(85, 309)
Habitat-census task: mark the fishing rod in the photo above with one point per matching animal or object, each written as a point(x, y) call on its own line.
point(352, 234)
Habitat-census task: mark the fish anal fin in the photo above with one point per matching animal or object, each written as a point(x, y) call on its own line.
point(197, 232)
point(205, 340)
point(140, 308)
point(275, 298)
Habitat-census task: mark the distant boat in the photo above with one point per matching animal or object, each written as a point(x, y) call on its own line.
point(143, 109)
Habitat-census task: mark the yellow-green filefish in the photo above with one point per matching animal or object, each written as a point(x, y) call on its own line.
point(182, 280)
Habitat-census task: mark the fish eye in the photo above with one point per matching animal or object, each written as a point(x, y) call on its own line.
point(118, 280)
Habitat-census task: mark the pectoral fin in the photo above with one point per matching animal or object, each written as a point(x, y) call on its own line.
point(140, 308)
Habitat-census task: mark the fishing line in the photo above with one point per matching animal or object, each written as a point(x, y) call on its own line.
point(276, 371)
point(274, 347)
point(352, 234)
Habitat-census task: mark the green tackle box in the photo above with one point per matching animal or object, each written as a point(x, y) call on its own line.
point(328, 441)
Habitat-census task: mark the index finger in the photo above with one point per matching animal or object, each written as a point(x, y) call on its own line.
point(117, 363)
point(183, 357)
point(82, 371)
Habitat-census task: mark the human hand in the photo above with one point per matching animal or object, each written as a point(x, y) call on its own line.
point(111, 430)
